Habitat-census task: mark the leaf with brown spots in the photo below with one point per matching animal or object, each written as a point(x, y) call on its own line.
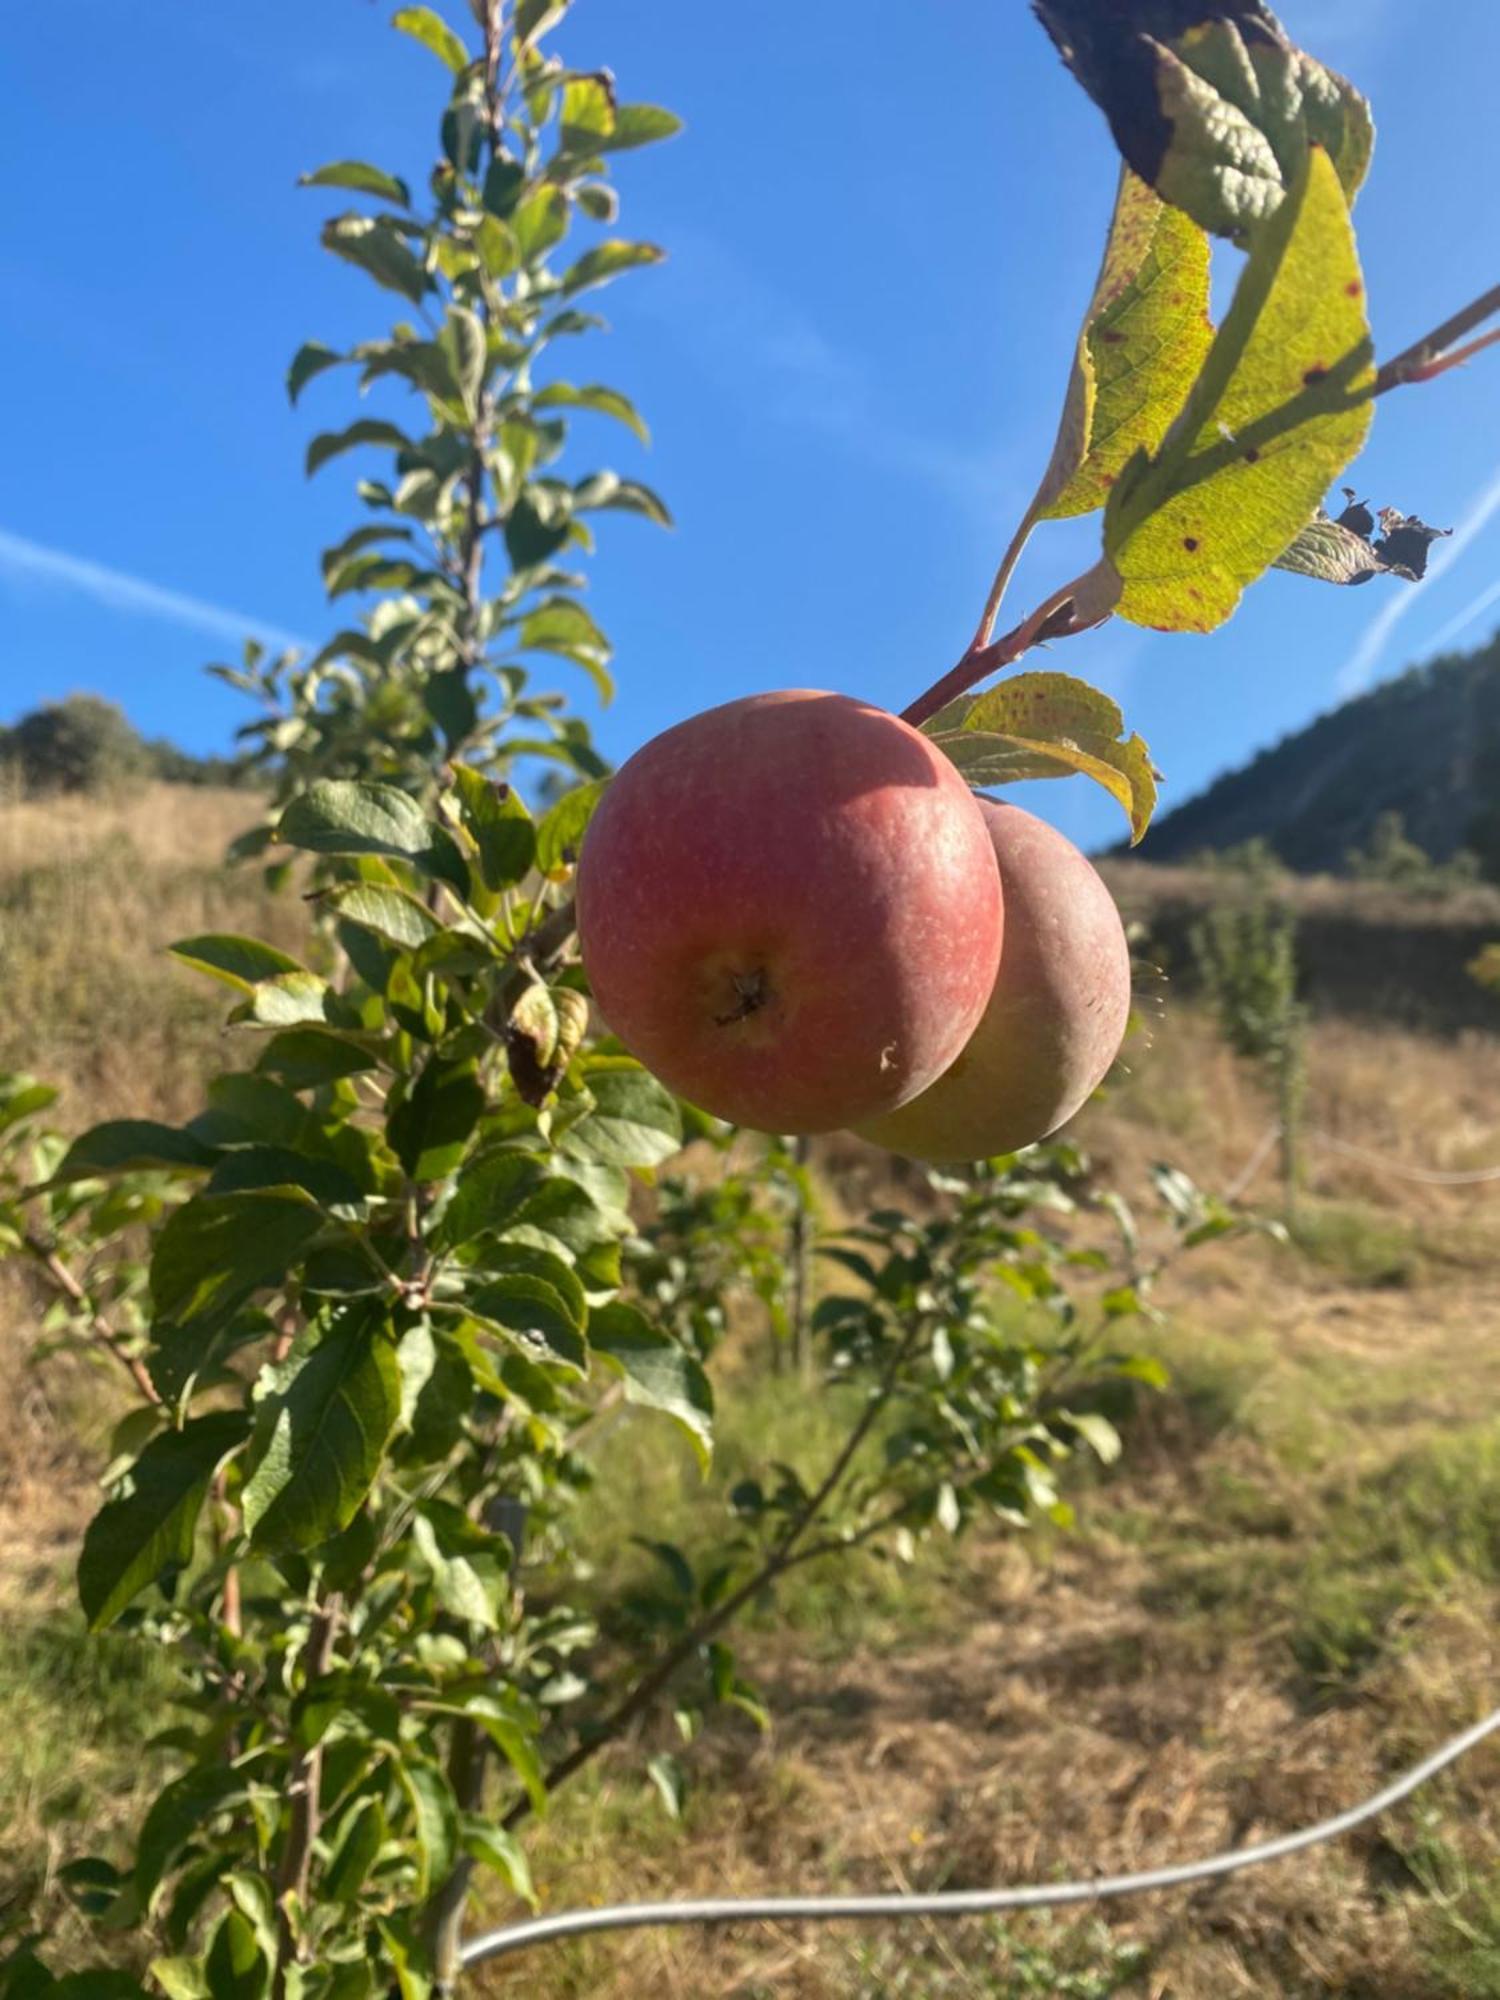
point(1282, 405)
point(1048, 726)
point(1143, 340)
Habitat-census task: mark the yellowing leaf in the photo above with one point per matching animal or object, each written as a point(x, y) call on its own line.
point(1048, 726)
point(1282, 405)
point(1143, 341)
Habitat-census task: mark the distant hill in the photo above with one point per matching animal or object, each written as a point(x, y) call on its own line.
point(86, 744)
point(1426, 746)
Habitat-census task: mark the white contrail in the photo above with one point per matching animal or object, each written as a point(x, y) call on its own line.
point(1475, 608)
point(25, 560)
point(1356, 673)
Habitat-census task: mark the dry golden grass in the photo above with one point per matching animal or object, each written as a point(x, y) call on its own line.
point(1287, 1590)
point(91, 894)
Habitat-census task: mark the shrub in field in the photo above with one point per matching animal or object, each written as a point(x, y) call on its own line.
point(82, 744)
point(400, 1260)
point(1246, 954)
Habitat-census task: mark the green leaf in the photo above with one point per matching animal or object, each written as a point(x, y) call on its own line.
point(593, 396)
point(379, 250)
point(394, 914)
point(640, 125)
point(561, 625)
point(428, 27)
point(319, 1442)
point(304, 1058)
point(1045, 725)
point(128, 1145)
point(658, 1372)
point(236, 1968)
point(488, 1194)
point(1143, 341)
point(435, 1821)
point(503, 183)
point(180, 1813)
point(493, 1847)
point(634, 1121)
point(217, 1250)
point(21, 1097)
point(511, 1723)
point(259, 1167)
point(148, 1531)
point(607, 489)
point(535, 17)
point(361, 177)
point(539, 222)
point(311, 358)
point(357, 1842)
point(460, 1590)
point(1211, 103)
point(560, 834)
point(241, 962)
point(588, 114)
point(535, 1316)
point(1097, 1432)
point(607, 260)
point(354, 816)
point(495, 814)
point(291, 999)
point(463, 342)
point(368, 430)
point(1283, 403)
point(431, 1129)
point(179, 1978)
point(670, 1779)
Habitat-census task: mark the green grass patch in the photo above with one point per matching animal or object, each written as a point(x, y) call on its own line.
point(77, 1712)
point(1359, 1245)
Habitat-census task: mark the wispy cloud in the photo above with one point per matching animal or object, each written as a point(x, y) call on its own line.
point(27, 562)
point(745, 333)
point(1357, 672)
point(1461, 620)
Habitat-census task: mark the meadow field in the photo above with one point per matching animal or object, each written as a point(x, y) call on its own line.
point(1285, 1591)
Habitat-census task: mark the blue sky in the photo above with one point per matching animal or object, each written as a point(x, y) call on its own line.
point(883, 221)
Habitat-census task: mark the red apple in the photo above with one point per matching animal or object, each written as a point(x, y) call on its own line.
point(790, 910)
point(1056, 1017)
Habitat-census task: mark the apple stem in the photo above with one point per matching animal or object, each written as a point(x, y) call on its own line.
point(1429, 357)
point(983, 659)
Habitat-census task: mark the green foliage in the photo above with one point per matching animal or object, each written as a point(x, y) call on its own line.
point(438, 666)
point(1245, 950)
point(404, 1260)
point(1394, 859)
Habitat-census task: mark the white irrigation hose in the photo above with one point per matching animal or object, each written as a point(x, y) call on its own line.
point(1430, 1176)
point(963, 1902)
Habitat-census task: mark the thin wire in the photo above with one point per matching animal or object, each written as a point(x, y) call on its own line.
point(1431, 1176)
point(1428, 1176)
point(964, 1902)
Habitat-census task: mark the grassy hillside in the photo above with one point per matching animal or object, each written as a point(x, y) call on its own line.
point(1426, 745)
point(1287, 1589)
